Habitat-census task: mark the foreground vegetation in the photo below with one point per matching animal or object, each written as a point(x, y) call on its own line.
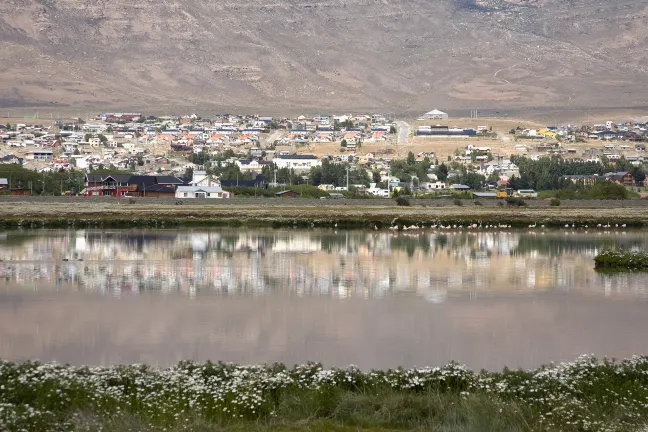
point(585, 395)
point(621, 261)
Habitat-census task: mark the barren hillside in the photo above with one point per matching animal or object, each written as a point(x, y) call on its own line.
point(280, 55)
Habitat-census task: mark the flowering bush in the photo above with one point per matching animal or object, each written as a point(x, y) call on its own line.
point(585, 395)
point(621, 260)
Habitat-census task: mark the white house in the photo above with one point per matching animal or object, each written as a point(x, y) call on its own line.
point(252, 165)
point(201, 178)
point(212, 192)
point(297, 162)
point(433, 186)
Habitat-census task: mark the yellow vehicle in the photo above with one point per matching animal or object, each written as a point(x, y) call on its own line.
point(504, 193)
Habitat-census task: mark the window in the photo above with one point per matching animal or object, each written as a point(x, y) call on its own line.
point(185, 195)
point(208, 194)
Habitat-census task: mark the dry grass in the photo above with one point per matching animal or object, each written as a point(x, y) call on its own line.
point(268, 211)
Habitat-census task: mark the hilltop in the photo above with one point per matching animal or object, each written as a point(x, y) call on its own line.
point(288, 55)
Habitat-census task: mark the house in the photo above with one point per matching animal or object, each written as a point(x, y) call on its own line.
point(297, 162)
point(40, 155)
point(4, 183)
point(624, 178)
point(252, 165)
point(208, 192)
point(201, 178)
point(429, 186)
point(460, 187)
point(10, 159)
point(287, 194)
point(202, 186)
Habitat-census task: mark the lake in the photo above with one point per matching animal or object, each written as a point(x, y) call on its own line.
point(373, 299)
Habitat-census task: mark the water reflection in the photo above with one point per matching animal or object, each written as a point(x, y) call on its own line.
point(345, 264)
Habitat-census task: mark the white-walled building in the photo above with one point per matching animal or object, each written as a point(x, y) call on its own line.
point(297, 162)
point(209, 192)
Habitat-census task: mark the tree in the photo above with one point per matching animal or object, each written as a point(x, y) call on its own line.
point(442, 172)
point(376, 177)
point(87, 137)
point(103, 139)
point(392, 129)
point(343, 143)
point(472, 179)
point(411, 160)
point(76, 151)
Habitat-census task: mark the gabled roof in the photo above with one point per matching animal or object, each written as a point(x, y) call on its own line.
point(169, 180)
point(160, 188)
point(141, 180)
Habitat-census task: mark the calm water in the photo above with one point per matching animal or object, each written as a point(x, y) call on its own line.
point(373, 299)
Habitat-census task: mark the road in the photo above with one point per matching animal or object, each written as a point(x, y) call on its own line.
point(403, 132)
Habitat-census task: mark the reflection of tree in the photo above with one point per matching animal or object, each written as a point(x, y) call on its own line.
point(411, 244)
point(555, 245)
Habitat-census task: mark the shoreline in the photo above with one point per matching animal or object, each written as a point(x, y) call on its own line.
point(58, 212)
point(586, 394)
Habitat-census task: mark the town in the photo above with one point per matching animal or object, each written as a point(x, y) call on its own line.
point(323, 156)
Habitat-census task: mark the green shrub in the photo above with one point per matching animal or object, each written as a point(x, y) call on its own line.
point(457, 202)
point(478, 203)
point(621, 260)
point(555, 202)
point(403, 201)
point(516, 202)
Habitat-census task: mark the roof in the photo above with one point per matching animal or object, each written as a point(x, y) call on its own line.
point(141, 180)
point(285, 192)
point(435, 112)
point(169, 180)
point(296, 156)
point(160, 188)
point(459, 186)
point(485, 194)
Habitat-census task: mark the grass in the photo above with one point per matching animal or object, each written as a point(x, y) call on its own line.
point(615, 260)
point(585, 395)
point(288, 213)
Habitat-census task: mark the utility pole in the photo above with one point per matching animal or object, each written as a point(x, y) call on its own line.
point(347, 178)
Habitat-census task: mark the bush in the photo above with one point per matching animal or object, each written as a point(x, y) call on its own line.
point(514, 201)
point(458, 202)
point(478, 203)
point(621, 260)
point(403, 201)
point(555, 202)
point(131, 200)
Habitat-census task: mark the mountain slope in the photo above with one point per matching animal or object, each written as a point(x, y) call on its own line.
point(291, 54)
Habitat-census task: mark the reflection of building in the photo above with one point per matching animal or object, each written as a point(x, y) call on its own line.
point(432, 265)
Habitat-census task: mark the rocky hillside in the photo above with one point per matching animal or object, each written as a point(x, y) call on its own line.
point(392, 55)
